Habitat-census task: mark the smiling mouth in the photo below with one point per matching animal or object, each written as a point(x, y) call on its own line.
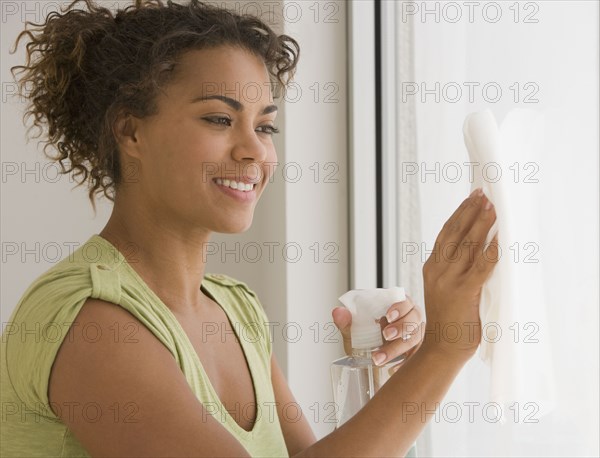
point(237, 185)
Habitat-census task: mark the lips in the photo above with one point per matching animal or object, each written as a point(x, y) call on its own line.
point(239, 184)
point(241, 195)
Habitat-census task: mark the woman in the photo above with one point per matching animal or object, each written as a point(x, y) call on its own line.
point(149, 106)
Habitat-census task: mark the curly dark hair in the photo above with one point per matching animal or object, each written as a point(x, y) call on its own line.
point(86, 67)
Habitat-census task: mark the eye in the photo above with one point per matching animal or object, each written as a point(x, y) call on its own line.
point(219, 120)
point(270, 130)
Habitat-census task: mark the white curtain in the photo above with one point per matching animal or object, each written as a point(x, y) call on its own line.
point(471, 56)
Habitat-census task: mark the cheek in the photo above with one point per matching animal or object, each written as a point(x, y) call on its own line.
point(194, 157)
point(271, 161)
point(272, 153)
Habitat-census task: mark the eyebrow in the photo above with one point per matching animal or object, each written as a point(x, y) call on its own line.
point(237, 106)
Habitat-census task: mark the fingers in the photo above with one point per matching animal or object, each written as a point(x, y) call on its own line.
point(398, 345)
point(399, 310)
point(456, 222)
point(485, 261)
point(402, 317)
point(469, 217)
point(468, 243)
point(342, 318)
point(403, 329)
point(468, 251)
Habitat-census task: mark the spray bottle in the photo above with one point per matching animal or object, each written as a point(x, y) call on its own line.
point(357, 378)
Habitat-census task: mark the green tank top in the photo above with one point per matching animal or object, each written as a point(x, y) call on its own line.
point(97, 269)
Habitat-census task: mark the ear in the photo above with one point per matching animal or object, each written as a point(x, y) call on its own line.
point(125, 130)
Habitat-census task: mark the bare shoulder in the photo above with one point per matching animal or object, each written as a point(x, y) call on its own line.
point(142, 403)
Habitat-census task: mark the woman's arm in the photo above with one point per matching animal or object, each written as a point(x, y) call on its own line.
point(298, 434)
point(454, 274)
point(389, 424)
point(141, 403)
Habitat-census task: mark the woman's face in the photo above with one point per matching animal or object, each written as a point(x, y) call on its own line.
point(215, 121)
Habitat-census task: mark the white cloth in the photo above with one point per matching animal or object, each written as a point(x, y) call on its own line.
point(515, 341)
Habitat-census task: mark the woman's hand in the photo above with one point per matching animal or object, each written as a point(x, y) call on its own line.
point(402, 329)
point(453, 278)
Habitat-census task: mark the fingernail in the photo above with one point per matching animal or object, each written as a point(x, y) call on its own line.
point(390, 333)
point(488, 205)
point(378, 358)
point(391, 316)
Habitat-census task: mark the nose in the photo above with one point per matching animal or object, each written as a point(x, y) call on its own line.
point(248, 146)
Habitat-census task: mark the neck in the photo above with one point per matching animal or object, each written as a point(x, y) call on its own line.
point(171, 260)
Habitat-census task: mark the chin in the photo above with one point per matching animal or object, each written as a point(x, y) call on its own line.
point(234, 228)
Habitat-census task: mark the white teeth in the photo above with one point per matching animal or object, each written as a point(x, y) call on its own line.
point(235, 185)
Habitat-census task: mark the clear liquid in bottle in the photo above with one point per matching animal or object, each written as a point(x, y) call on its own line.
point(355, 380)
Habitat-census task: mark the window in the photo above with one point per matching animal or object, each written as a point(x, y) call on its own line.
point(436, 63)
